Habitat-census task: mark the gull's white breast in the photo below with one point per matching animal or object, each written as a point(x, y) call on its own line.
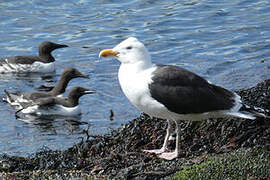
point(135, 85)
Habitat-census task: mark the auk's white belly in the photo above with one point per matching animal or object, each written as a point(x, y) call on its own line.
point(37, 67)
point(54, 110)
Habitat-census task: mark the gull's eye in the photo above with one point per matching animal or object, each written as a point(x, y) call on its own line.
point(129, 47)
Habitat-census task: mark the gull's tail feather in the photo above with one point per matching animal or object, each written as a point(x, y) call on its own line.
point(245, 115)
point(254, 111)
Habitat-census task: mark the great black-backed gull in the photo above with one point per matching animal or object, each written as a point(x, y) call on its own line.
point(44, 63)
point(67, 75)
point(56, 105)
point(170, 92)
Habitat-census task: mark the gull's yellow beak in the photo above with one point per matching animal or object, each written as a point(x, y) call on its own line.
point(107, 53)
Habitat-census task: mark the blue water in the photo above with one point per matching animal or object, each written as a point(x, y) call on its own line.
point(227, 42)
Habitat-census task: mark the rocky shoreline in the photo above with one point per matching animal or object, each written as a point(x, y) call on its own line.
point(118, 155)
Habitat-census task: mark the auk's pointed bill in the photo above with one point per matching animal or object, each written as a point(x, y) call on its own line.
point(107, 53)
point(60, 45)
point(83, 76)
point(89, 91)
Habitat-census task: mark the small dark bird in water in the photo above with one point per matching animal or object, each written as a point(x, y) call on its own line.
point(57, 105)
point(67, 75)
point(44, 63)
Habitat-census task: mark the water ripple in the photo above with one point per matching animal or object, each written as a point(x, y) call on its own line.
point(225, 41)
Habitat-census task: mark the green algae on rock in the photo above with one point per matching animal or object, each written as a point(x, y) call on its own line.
point(251, 163)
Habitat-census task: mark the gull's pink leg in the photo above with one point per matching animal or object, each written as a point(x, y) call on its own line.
point(174, 154)
point(165, 144)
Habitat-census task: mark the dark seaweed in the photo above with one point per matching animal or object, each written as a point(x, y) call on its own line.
point(118, 155)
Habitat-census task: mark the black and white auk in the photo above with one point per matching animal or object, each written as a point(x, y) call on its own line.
point(63, 106)
point(43, 63)
point(16, 99)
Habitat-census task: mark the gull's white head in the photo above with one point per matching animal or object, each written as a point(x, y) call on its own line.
point(130, 51)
